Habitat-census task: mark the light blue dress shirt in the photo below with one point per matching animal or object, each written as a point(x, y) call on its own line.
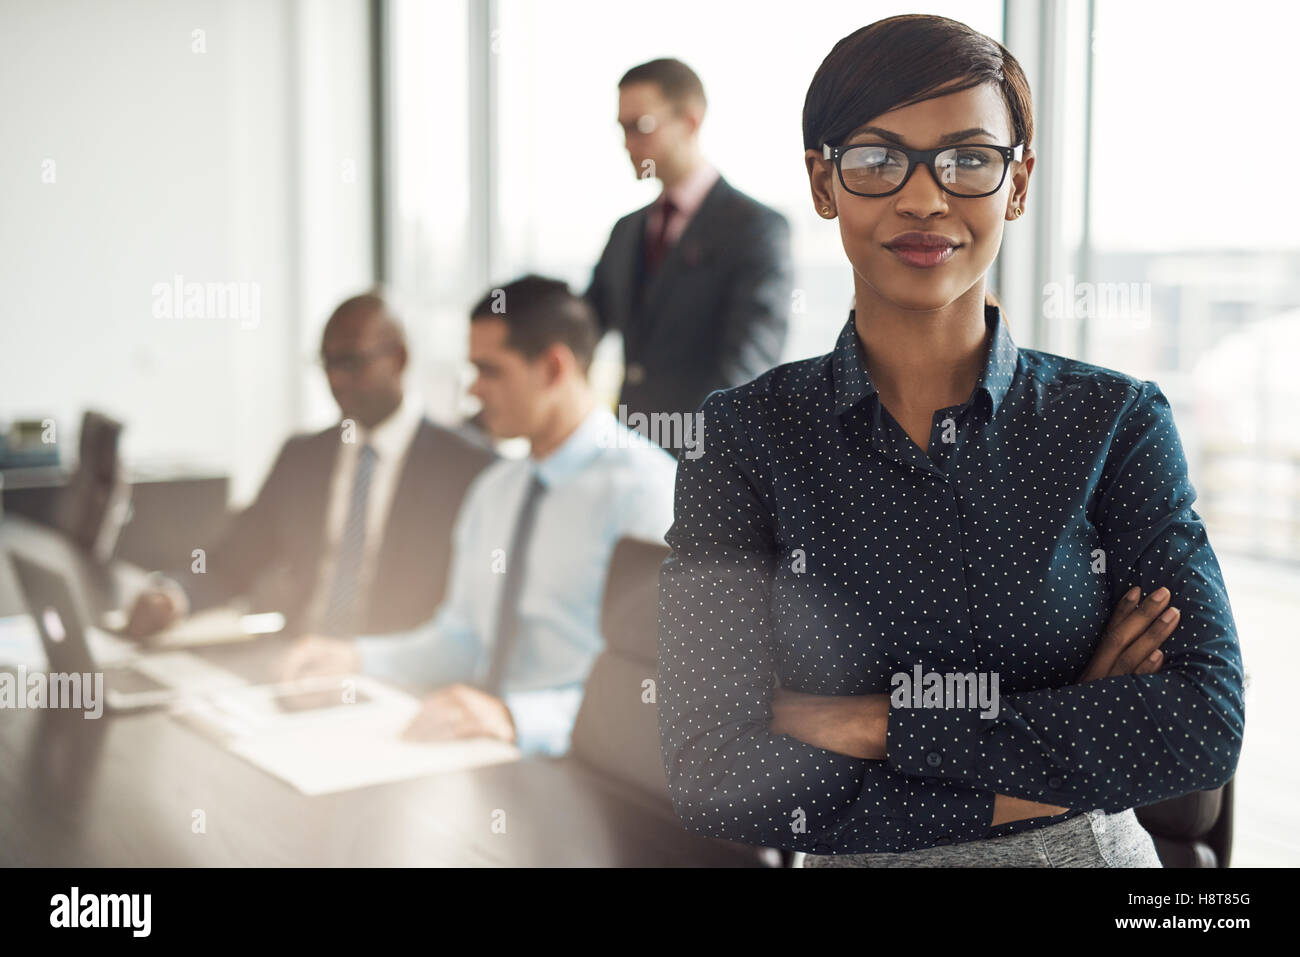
point(603, 483)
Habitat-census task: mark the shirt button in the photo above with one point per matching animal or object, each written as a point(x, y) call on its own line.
point(943, 839)
point(1054, 783)
point(635, 373)
point(934, 759)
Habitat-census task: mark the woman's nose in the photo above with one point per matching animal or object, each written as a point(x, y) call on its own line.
point(921, 195)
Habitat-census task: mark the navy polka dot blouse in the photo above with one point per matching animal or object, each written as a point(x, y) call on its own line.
point(816, 544)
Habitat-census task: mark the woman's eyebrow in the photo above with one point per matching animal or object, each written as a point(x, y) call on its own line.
point(946, 138)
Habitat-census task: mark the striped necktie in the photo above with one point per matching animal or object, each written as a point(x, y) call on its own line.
point(342, 616)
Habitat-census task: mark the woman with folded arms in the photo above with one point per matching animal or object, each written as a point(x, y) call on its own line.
point(935, 599)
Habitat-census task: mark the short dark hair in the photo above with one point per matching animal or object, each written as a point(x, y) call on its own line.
point(903, 60)
point(678, 82)
point(539, 312)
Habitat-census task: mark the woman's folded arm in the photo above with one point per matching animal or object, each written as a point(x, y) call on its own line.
point(1122, 741)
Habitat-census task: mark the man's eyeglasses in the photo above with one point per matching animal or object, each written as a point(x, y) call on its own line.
point(969, 171)
point(351, 362)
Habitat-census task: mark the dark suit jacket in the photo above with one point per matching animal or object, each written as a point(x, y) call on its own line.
point(716, 312)
point(272, 549)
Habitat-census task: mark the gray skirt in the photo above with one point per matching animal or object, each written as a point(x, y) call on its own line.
point(1092, 839)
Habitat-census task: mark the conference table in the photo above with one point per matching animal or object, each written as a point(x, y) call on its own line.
point(143, 789)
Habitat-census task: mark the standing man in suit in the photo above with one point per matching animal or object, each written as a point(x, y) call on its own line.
point(698, 282)
point(355, 521)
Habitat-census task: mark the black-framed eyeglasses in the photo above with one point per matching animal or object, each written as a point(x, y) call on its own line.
point(352, 362)
point(966, 170)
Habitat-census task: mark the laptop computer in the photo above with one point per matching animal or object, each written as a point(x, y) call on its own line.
point(133, 683)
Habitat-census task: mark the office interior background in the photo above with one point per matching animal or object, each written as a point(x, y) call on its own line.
point(445, 146)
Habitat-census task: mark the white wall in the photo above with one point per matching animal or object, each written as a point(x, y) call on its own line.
point(228, 165)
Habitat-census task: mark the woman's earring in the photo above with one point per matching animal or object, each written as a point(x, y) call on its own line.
point(826, 210)
point(1017, 211)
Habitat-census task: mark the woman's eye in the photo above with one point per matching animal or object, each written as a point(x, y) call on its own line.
point(878, 160)
point(972, 159)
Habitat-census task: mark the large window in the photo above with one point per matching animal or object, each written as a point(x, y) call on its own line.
point(1193, 256)
point(1192, 224)
point(430, 221)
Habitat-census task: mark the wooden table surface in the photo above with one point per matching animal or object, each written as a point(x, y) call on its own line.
point(126, 790)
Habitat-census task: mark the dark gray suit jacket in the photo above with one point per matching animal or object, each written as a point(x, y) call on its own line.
point(716, 312)
point(272, 548)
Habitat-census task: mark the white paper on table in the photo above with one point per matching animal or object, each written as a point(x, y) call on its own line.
point(347, 758)
point(108, 650)
point(337, 748)
point(361, 702)
point(185, 672)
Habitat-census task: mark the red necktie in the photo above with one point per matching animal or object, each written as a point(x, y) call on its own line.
point(657, 248)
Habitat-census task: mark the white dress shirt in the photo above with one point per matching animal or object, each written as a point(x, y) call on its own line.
point(391, 439)
point(603, 483)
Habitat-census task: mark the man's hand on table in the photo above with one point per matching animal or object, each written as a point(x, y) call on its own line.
point(461, 711)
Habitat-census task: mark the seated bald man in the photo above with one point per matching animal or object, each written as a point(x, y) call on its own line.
point(351, 532)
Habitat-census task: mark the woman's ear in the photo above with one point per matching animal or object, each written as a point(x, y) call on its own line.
point(1020, 180)
point(821, 172)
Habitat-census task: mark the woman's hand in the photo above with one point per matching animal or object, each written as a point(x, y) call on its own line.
point(848, 724)
point(1130, 645)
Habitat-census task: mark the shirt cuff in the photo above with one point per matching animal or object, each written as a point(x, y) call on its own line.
point(936, 742)
point(544, 718)
point(956, 745)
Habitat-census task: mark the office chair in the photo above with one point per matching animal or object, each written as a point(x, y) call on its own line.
point(92, 508)
point(1194, 830)
point(616, 732)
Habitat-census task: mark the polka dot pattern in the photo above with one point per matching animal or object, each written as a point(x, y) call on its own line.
point(816, 544)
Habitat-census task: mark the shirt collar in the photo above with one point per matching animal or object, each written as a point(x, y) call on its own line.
point(853, 383)
point(690, 192)
point(583, 444)
point(390, 437)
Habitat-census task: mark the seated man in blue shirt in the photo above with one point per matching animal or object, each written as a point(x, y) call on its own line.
point(509, 649)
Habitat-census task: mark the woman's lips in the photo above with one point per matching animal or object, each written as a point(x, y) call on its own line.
point(921, 256)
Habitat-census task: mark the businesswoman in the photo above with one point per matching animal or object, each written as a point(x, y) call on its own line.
point(935, 599)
